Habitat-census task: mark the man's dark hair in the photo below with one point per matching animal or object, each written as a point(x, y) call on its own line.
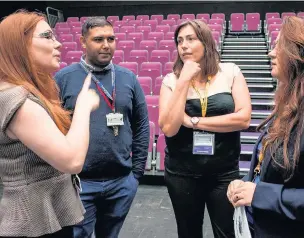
point(92, 22)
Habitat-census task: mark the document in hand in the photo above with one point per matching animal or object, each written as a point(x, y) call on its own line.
point(241, 228)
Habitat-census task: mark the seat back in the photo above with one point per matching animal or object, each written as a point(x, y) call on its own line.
point(133, 66)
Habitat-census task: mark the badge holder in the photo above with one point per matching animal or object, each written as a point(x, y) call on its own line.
point(203, 143)
point(115, 120)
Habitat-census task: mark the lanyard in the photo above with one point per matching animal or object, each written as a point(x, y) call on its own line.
point(203, 100)
point(102, 90)
point(257, 169)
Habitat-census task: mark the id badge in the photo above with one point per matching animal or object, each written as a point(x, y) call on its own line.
point(115, 119)
point(203, 143)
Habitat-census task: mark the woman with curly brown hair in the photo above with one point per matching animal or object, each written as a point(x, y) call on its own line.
point(274, 189)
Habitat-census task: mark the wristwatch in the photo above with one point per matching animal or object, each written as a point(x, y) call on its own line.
point(194, 120)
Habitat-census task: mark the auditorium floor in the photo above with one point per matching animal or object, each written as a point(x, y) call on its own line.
point(152, 216)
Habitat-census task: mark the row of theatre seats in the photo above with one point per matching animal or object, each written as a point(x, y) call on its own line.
point(150, 55)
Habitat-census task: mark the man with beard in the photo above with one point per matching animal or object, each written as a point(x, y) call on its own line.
point(119, 131)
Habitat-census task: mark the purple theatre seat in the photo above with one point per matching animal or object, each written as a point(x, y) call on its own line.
point(237, 22)
point(151, 23)
point(180, 21)
point(142, 17)
point(137, 37)
point(157, 18)
point(160, 152)
point(151, 142)
point(120, 37)
point(216, 22)
point(253, 22)
point(83, 19)
point(146, 81)
point(162, 56)
point(113, 19)
point(148, 45)
point(272, 38)
point(168, 67)
point(272, 15)
point(118, 56)
point(217, 37)
point(217, 28)
point(66, 47)
point(120, 24)
point(128, 18)
point(138, 56)
point(145, 30)
point(146, 89)
point(167, 45)
point(159, 80)
point(273, 27)
point(156, 90)
point(152, 100)
point(72, 19)
point(205, 16)
point(60, 31)
point(116, 29)
point(127, 29)
point(218, 16)
point(288, 14)
point(175, 17)
point(75, 24)
point(135, 23)
point(151, 69)
point(62, 25)
point(66, 38)
point(168, 22)
point(158, 83)
point(203, 20)
point(300, 14)
point(272, 21)
point(133, 66)
point(76, 30)
point(126, 46)
point(73, 56)
point(188, 16)
point(169, 36)
point(157, 36)
point(153, 115)
point(162, 28)
point(77, 40)
point(173, 28)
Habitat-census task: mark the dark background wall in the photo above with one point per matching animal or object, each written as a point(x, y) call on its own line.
point(106, 8)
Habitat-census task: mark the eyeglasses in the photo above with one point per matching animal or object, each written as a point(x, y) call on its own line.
point(47, 35)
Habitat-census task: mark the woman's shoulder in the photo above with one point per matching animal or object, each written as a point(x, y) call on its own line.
point(227, 66)
point(170, 80)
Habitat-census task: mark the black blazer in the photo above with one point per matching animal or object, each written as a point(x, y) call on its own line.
point(278, 206)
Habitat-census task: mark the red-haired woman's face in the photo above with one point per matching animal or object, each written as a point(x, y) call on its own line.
point(45, 48)
point(275, 64)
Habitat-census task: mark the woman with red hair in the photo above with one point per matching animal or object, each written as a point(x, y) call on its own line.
point(274, 189)
point(40, 148)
